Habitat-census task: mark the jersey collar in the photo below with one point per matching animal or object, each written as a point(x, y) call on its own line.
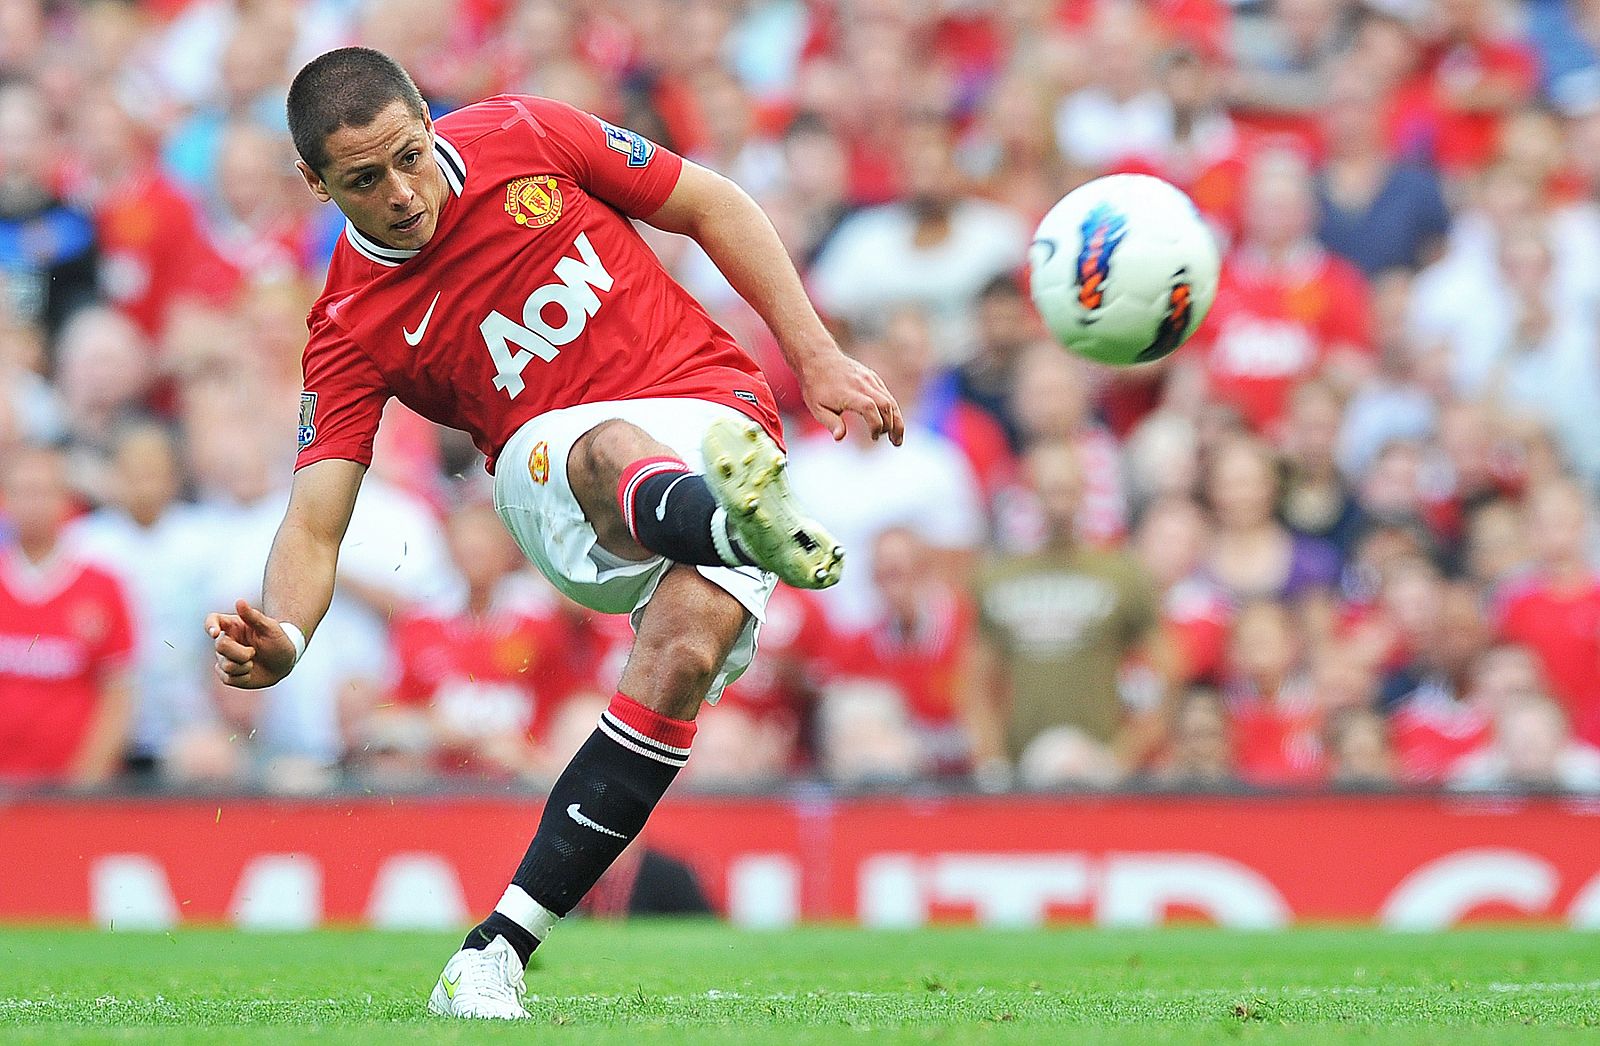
point(454, 168)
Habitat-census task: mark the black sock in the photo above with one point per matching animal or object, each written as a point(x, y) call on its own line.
point(672, 512)
point(595, 809)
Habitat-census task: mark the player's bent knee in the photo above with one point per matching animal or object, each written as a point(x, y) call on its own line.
point(690, 660)
point(600, 455)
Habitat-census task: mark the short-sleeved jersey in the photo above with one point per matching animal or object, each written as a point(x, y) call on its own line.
point(535, 293)
point(1274, 325)
point(64, 627)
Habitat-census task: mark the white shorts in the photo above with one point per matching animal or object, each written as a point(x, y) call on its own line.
point(534, 498)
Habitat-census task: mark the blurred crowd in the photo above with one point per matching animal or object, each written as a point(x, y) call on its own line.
point(1344, 538)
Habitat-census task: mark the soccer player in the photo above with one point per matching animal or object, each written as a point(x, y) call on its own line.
point(490, 280)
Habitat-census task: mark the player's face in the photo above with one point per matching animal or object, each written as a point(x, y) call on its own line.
point(382, 176)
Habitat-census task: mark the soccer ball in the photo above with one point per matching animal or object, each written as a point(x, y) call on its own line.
point(1123, 269)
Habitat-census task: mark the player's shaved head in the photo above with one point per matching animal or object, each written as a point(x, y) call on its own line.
point(348, 87)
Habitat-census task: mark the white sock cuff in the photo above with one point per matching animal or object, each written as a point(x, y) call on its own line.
point(516, 905)
point(720, 539)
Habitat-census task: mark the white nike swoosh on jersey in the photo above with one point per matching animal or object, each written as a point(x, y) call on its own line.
point(415, 338)
point(577, 815)
point(661, 509)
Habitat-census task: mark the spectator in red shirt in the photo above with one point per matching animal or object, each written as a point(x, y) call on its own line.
point(914, 648)
point(779, 688)
point(66, 639)
point(1170, 541)
point(1555, 611)
point(1478, 76)
point(154, 252)
point(1286, 307)
point(474, 674)
point(1201, 752)
point(1271, 699)
point(1431, 736)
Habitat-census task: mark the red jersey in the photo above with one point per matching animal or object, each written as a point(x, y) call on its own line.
point(923, 666)
point(64, 626)
point(1564, 631)
point(504, 671)
point(1273, 326)
point(1433, 731)
point(535, 293)
point(1466, 139)
point(1196, 614)
point(155, 252)
point(796, 641)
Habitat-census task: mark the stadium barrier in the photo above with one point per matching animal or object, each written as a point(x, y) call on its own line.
point(1405, 862)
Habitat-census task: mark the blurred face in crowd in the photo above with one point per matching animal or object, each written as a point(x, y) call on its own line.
point(1496, 544)
point(1526, 262)
point(383, 177)
point(1502, 676)
point(900, 570)
point(908, 342)
point(1462, 634)
point(1531, 735)
point(1242, 485)
point(1413, 597)
point(1352, 120)
point(1345, 676)
point(24, 143)
point(1202, 751)
point(1360, 748)
point(251, 173)
point(480, 547)
point(1057, 478)
point(1279, 208)
point(1308, 23)
point(147, 476)
point(108, 141)
point(35, 497)
point(1051, 394)
point(725, 108)
point(1315, 415)
point(1264, 648)
point(931, 182)
point(1508, 198)
point(1391, 304)
point(819, 169)
point(1171, 540)
point(1386, 50)
point(103, 364)
point(1558, 524)
point(1390, 489)
point(1006, 322)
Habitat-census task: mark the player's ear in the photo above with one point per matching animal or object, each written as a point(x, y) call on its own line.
point(313, 181)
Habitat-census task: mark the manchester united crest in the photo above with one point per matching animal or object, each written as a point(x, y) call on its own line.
point(539, 463)
point(534, 202)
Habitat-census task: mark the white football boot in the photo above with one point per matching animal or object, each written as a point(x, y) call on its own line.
point(745, 471)
point(483, 983)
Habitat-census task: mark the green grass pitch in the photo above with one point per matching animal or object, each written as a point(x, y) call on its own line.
point(702, 983)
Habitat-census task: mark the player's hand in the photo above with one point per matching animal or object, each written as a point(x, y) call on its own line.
point(843, 386)
point(253, 651)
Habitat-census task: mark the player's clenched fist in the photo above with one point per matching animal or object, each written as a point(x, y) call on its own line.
point(253, 650)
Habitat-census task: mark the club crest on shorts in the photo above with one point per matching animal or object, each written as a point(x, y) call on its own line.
point(539, 463)
point(534, 202)
point(308, 420)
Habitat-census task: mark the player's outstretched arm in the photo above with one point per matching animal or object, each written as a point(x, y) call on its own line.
point(739, 238)
point(253, 649)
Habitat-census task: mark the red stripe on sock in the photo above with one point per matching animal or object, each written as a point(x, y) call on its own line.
point(679, 733)
point(630, 476)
